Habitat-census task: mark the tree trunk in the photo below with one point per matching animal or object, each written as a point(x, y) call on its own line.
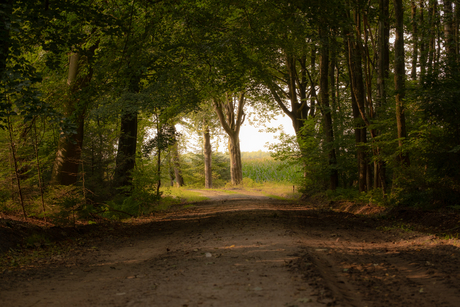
point(432, 15)
point(176, 161)
point(5, 15)
point(68, 155)
point(207, 156)
point(126, 154)
point(358, 96)
point(456, 24)
point(127, 144)
point(399, 79)
point(424, 40)
point(314, 98)
point(15, 163)
point(158, 165)
point(299, 111)
point(383, 72)
point(236, 168)
point(326, 110)
point(231, 123)
point(37, 159)
point(414, 40)
point(66, 164)
point(449, 32)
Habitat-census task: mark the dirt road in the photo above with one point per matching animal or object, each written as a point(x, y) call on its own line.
point(245, 250)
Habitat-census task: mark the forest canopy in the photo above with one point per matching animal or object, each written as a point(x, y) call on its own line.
point(91, 93)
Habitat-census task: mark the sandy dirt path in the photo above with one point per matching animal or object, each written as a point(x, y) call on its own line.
point(246, 250)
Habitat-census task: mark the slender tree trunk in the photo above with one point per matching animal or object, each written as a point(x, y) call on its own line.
point(177, 167)
point(456, 24)
point(433, 16)
point(100, 154)
point(158, 170)
point(172, 175)
point(383, 72)
point(359, 116)
point(333, 93)
point(449, 30)
point(399, 79)
point(299, 111)
point(207, 156)
point(326, 110)
point(15, 163)
point(423, 39)
point(439, 49)
point(414, 40)
point(40, 181)
point(314, 98)
point(5, 16)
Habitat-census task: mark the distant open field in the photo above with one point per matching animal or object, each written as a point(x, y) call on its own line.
point(269, 170)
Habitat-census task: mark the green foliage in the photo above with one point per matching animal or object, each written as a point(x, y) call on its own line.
point(181, 194)
point(67, 204)
point(374, 197)
point(183, 53)
point(306, 154)
point(36, 240)
point(248, 183)
point(268, 169)
point(138, 199)
point(193, 169)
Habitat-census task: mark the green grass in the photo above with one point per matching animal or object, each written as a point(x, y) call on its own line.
point(276, 190)
point(182, 194)
point(224, 190)
point(270, 170)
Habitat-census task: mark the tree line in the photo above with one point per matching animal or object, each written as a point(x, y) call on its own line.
point(91, 93)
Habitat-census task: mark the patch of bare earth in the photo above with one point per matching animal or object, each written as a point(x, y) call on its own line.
point(246, 251)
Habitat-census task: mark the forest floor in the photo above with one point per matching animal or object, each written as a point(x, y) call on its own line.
point(246, 250)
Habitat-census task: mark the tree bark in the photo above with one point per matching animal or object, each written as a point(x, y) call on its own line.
point(176, 162)
point(399, 80)
point(449, 32)
point(127, 143)
point(383, 73)
point(236, 167)
point(358, 96)
point(15, 163)
point(126, 153)
point(433, 25)
point(313, 95)
point(5, 16)
point(424, 40)
point(299, 111)
point(68, 155)
point(207, 151)
point(326, 110)
point(456, 24)
point(414, 40)
point(231, 123)
point(37, 159)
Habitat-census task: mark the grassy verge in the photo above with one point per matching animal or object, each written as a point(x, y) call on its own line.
point(224, 191)
point(181, 194)
point(277, 190)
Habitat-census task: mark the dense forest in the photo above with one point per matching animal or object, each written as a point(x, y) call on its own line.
point(92, 93)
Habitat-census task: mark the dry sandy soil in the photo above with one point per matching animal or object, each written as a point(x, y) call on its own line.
point(244, 250)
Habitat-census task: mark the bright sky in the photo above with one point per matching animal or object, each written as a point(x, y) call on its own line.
point(250, 137)
point(253, 140)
